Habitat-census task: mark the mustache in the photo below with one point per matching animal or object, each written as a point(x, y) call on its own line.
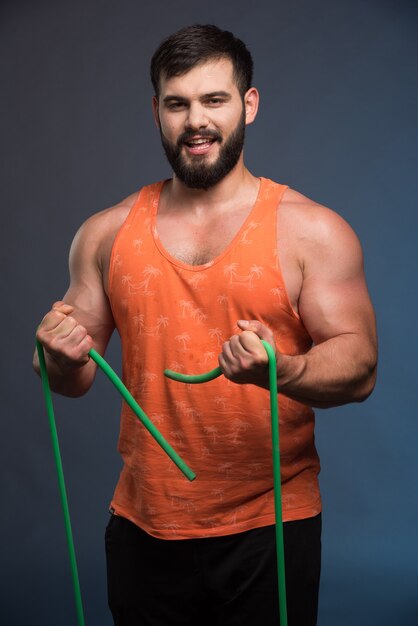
point(206, 134)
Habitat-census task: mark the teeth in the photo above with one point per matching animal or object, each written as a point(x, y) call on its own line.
point(199, 141)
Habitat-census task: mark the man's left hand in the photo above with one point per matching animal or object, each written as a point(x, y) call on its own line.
point(243, 358)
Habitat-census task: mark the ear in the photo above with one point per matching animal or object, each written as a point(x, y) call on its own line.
point(155, 107)
point(251, 100)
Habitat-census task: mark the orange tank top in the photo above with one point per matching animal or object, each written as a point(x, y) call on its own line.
point(173, 315)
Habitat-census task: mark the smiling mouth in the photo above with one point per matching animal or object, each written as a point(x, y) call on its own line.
point(199, 142)
point(200, 145)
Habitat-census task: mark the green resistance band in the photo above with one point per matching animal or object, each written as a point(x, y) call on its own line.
point(111, 374)
point(274, 411)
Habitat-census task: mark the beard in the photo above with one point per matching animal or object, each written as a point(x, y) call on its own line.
point(198, 174)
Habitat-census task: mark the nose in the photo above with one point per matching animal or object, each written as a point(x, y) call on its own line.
point(196, 117)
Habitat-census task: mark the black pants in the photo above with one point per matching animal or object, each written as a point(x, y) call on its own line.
point(219, 581)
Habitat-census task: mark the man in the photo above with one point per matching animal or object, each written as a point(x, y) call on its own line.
point(201, 266)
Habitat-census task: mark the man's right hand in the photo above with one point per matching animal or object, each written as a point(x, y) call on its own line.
point(65, 340)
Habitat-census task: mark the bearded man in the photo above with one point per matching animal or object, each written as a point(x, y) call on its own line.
point(200, 267)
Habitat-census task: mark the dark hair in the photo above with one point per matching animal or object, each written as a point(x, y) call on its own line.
point(197, 44)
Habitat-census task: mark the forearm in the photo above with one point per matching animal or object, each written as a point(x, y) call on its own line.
point(68, 381)
point(335, 372)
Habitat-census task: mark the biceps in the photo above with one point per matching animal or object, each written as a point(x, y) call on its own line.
point(334, 307)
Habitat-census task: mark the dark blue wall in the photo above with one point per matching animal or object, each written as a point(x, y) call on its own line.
point(338, 122)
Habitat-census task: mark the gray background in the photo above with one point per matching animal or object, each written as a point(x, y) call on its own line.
point(338, 122)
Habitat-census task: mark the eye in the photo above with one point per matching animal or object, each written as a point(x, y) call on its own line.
point(176, 106)
point(215, 101)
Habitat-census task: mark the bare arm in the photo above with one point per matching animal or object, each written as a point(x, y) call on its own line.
point(83, 320)
point(335, 308)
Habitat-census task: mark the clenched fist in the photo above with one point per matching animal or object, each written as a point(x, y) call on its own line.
point(243, 358)
point(63, 338)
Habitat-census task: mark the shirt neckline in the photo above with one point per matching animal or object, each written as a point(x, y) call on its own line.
point(198, 268)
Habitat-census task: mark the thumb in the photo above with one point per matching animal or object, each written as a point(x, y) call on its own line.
point(262, 331)
point(62, 307)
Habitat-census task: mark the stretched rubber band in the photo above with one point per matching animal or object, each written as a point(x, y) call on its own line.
point(274, 410)
point(111, 374)
point(193, 379)
point(61, 484)
point(132, 403)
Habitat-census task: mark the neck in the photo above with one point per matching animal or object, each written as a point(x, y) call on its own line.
point(238, 183)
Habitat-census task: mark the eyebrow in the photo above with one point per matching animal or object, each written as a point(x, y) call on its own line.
point(206, 96)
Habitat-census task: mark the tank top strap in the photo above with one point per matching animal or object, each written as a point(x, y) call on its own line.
point(147, 202)
point(269, 198)
point(259, 233)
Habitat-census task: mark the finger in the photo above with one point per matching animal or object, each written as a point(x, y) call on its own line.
point(242, 353)
point(62, 307)
point(222, 362)
point(68, 332)
point(60, 333)
point(228, 364)
point(227, 353)
point(261, 330)
point(243, 348)
point(56, 321)
point(78, 345)
point(51, 321)
point(227, 359)
point(73, 346)
point(55, 316)
point(65, 327)
point(252, 350)
point(246, 344)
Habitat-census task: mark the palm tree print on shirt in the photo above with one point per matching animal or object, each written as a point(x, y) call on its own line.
point(216, 334)
point(153, 331)
point(188, 309)
point(142, 287)
point(183, 339)
point(244, 239)
point(231, 272)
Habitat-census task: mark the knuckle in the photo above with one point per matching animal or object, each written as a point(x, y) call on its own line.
point(260, 360)
point(82, 333)
point(87, 342)
point(46, 318)
point(39, 336)
point(54, 344)
point(57, 316)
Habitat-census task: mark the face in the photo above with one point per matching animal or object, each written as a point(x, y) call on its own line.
point(202, 117)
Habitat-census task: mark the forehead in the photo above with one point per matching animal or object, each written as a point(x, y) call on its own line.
point(208, 77)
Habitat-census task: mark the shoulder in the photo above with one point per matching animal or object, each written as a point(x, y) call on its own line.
point(108, 221)
point(101, 226)
point(310, 215)
point(316, 230)
point(94, 239)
